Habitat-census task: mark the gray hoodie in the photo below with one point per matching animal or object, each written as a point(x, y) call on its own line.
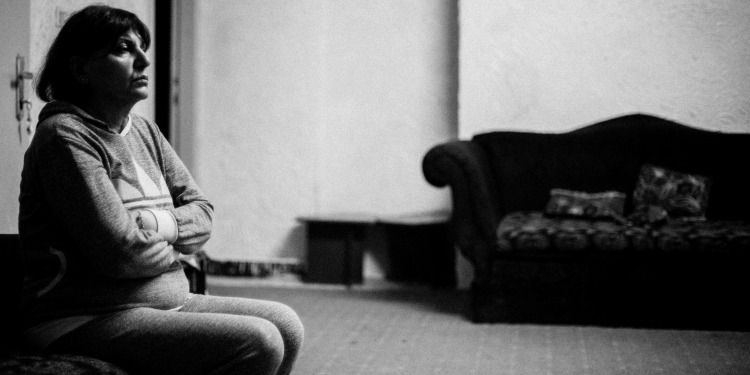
point(82, 185)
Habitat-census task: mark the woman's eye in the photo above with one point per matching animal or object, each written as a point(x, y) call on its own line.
point(121, 48)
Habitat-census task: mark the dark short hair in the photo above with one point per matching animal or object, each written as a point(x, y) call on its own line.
point(87, 31)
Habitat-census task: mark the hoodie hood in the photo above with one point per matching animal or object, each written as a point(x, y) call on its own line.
point(64, 108)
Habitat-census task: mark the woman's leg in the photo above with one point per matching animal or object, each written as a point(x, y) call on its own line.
point(149, 341)
point(283, 317)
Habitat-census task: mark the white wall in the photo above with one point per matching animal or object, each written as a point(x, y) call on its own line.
point(390, 86)
point(304, 107)
point(549, 65)
point(258, 110)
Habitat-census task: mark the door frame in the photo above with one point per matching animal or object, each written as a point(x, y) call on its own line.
point(163, 92)
point(182, 83)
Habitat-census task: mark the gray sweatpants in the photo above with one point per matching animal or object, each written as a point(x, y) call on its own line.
point(209, 335)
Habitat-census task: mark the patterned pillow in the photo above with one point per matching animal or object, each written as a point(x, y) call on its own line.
point(682, 195)
point(648, 216)
point(606, 205)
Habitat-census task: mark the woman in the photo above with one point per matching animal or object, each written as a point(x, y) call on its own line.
point(107, 208)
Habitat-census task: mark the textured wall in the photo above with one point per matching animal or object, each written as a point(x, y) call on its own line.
point(548, 65)
point(258, 70)
point(317, 106)
point(390, 94)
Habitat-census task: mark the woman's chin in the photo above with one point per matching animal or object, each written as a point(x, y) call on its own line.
point(140, 94)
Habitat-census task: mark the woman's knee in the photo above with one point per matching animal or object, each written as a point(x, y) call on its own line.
point(288, 322)
point(263, 347)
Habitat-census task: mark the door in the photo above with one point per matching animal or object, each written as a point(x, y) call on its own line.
point(15, 16)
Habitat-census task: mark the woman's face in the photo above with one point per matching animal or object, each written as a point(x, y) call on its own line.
point(116, 76)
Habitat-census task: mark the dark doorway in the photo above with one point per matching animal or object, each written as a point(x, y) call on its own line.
point(163, 65)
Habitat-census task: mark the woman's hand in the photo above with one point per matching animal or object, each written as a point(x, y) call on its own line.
point(146, 220)
point(159, 221)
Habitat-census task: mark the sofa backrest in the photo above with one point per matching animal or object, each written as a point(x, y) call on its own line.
point(608, 156)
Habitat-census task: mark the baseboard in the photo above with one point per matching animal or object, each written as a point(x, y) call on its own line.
point(264, 268)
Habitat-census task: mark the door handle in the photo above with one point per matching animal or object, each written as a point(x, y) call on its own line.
point(22, 85)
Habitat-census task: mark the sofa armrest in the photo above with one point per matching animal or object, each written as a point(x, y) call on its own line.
point(464, 167)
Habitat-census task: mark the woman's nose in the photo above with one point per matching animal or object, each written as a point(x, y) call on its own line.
point(141, 59)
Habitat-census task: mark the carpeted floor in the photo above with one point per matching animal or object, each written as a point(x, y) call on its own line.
point(422, 331)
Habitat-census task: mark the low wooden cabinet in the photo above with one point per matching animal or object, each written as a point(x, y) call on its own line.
point(335, 245)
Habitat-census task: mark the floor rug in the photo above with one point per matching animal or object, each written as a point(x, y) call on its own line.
point(423, 331)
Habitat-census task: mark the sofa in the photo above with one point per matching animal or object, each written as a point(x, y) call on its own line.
point(15, 358)
point(635, 220)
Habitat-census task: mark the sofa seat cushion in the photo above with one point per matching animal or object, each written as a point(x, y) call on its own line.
point(534, 231)
point(707, 236)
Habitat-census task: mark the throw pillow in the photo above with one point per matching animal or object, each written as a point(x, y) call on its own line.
point(605, 205)
point(681, 195)
point(648, 216)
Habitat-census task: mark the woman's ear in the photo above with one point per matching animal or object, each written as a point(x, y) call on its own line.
point(78, 67)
